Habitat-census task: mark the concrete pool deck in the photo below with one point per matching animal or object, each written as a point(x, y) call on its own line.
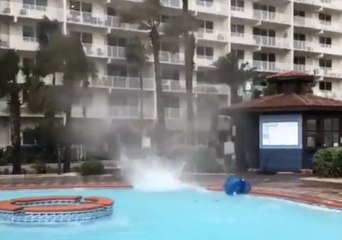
point(296, 187)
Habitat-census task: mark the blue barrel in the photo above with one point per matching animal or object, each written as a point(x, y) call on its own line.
point(236, 185)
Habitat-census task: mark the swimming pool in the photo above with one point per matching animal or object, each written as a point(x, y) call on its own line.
point(186, 215)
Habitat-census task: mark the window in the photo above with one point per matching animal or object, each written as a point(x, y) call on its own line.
point(80, 6)
point(171, 102)
point(299, 37)
point(111, 11)
point(30, 137)
point(206, 52)
point(170, 74)
point(324, 85)
point(237, 30)
point(325, 41)
point(298, 13)
point(164, 18)
point(324, 17)
point(86, 7)
point(325, 63)
point(169, 47)
point(299, 60)
point(240, 54)
point(119, 100)
point(35, 4)
point(264, 32)
point(322, 132)
point(116, 41)
point(122, 71)
point(29, 33)
point(259, 56)
point(207, 26)
point(200, 75)
point(86, 38)
point(237, 4)
point(262, 7)
point(75, 5)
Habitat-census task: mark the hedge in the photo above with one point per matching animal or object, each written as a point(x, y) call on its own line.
point(327, 162)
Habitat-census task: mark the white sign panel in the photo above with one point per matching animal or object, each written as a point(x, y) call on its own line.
point(280, 134)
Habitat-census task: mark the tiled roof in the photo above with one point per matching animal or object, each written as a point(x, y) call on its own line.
point(287, 102)
point(290, 75)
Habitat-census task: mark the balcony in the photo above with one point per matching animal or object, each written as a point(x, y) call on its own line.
point(212, 35)
point(330, 72)
point(114, 22)
point(95, 50)
point(172, 113)
point(270, 16)
point(24, 43)
point(270, 66)
point(207, 88)
point(116, 52)
point(171, 3)
point(36, 11)
point(169, 57)
point(86, 18)
point(202, 60)
point(4, 41)
point(242, 38)
point(304, 68)
point(304, 46)
point(122, 82)
point(329, 26)
point(173, 86)
point(241, 12)
point(124, 112)
point(5, 8)
point(215, 8)
point(266, 41)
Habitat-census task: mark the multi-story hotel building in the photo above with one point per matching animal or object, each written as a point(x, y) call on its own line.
point(272, 35)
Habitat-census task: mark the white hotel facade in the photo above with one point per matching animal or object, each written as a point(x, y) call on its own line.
point(272, 35)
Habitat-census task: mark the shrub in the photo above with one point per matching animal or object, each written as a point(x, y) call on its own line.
point(39, 167)
point(328, 162)
point(92, 167)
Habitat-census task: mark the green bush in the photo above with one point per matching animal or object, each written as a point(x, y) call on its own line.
point(92, 167)
point(39, 167)
point(327, 162)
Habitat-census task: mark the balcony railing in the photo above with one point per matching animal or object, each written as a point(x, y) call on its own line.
point(270, 66)
point(271, 41)
point(170, 57)
point(116, 52)
point(86, 18)
point(171, 3)
point(172, 113)
point(211, 7)
point(114, 22)
point(125, 112)
point(212, 35)
point(270, 16)
point(173, 86)
point(209, 88)
point(122, 82)
point(330, 72)
point(4, 41)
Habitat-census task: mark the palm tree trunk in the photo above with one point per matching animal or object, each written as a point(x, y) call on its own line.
point(160, 133)
point(189, 56)
point(141, 81)
point(14, 107)
point(189, 40)
point(67, 153)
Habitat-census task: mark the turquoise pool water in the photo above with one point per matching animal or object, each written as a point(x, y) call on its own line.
point(186, 215)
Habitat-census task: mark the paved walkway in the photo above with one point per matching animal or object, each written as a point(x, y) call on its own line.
point(288, 186)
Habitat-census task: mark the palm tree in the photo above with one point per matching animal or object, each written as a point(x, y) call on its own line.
point(76, 69)
point(230, 71)
point(135, 53)
point(10, 88)
point(147, 14)
point(185, 26)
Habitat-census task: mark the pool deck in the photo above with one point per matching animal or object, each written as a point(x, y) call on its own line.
point(295, 187)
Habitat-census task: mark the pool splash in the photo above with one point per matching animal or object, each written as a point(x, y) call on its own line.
point(154, 174)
